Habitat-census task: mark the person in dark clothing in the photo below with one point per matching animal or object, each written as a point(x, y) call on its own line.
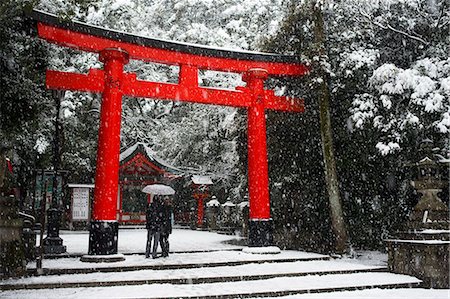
point(153, 225)
point(166, 225)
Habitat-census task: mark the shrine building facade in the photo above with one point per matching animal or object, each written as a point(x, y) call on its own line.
point(139, 167)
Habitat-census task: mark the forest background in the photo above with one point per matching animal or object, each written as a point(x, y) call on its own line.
point(387, 70)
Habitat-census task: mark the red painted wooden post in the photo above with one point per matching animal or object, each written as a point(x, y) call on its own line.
point(258, 175)
point(200, 211)
point(104, 224)
point(188, 76)
point(200, 197)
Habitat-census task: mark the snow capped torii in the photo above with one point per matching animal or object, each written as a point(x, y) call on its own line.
point(115, 49)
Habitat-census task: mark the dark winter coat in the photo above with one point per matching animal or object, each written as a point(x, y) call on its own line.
point(154, 217)
point(166, 219)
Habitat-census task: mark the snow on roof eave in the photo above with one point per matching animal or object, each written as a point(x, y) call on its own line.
point(202, 180)
point(151, 155)
point(126, 153)
point(444, 161)
point(426, 159)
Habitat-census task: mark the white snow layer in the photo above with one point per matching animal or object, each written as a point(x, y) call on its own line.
point(133, 240)
point(218, 289)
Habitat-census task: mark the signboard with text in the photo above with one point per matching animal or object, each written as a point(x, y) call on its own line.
point(80, 204)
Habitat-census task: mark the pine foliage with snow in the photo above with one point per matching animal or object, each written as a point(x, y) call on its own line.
point(387, 62)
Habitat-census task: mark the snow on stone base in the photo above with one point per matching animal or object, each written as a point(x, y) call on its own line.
point(262, 250)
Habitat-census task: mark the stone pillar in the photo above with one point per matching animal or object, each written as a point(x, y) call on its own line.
point(212, 213)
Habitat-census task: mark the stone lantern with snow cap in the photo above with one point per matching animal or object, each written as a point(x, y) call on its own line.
point(430, 211)
point(212, 212)
point(423, 248)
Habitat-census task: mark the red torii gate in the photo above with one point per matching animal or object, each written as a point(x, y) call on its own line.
point(115, 49)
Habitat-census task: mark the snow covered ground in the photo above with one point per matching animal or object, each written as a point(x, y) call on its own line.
point(299, 274)
point(377, 294)
point(216, 289)
point(207, 272)
point(133, 241)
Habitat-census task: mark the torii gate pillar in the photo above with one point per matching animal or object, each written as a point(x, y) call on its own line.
point(103, 232)
point(260, 223)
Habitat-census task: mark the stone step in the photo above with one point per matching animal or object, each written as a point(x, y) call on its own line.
point(52, 271)
point(175, 261)
point(79, 255)
point(279, 286)
point(191, 276)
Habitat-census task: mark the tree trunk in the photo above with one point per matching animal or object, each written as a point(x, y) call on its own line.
point(321, 77)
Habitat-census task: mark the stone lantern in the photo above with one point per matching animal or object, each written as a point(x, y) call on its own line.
point(212, 213)
point(430, 212)
point(422, 249)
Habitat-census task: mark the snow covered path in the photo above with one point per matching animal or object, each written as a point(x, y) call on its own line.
point(203, 266)
point(133, 241)
point(377, 293)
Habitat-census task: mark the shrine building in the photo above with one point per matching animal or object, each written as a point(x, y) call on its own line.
point(139, 167)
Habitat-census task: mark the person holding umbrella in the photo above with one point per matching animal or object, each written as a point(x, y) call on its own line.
point(166, 225)
point(153, 225)
point(158, 217)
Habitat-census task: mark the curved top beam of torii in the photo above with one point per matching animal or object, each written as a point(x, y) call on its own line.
point(190, 59)
point(94, 39)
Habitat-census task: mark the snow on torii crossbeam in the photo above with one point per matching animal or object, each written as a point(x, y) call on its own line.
point(115, 49)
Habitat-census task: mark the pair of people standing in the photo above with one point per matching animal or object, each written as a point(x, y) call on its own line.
point(159, 226)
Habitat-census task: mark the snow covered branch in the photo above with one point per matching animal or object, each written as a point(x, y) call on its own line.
point(389, 27)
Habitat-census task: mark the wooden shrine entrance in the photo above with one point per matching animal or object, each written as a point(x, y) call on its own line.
point(115, 49)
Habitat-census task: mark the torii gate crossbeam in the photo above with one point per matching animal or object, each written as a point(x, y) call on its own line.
point(115, 49)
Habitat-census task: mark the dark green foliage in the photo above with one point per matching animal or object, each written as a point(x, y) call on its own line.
point(298, 191)
point(80, 139)
point(297, 183)
point(23, 98)
point(375, 189)
point(22, 64)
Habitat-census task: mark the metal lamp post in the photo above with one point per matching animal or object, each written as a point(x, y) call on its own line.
point(53, 242)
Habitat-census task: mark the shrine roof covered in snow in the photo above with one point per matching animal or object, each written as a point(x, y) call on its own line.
point(128, 159)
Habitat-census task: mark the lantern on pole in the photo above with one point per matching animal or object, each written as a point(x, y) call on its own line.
point(200, 193)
